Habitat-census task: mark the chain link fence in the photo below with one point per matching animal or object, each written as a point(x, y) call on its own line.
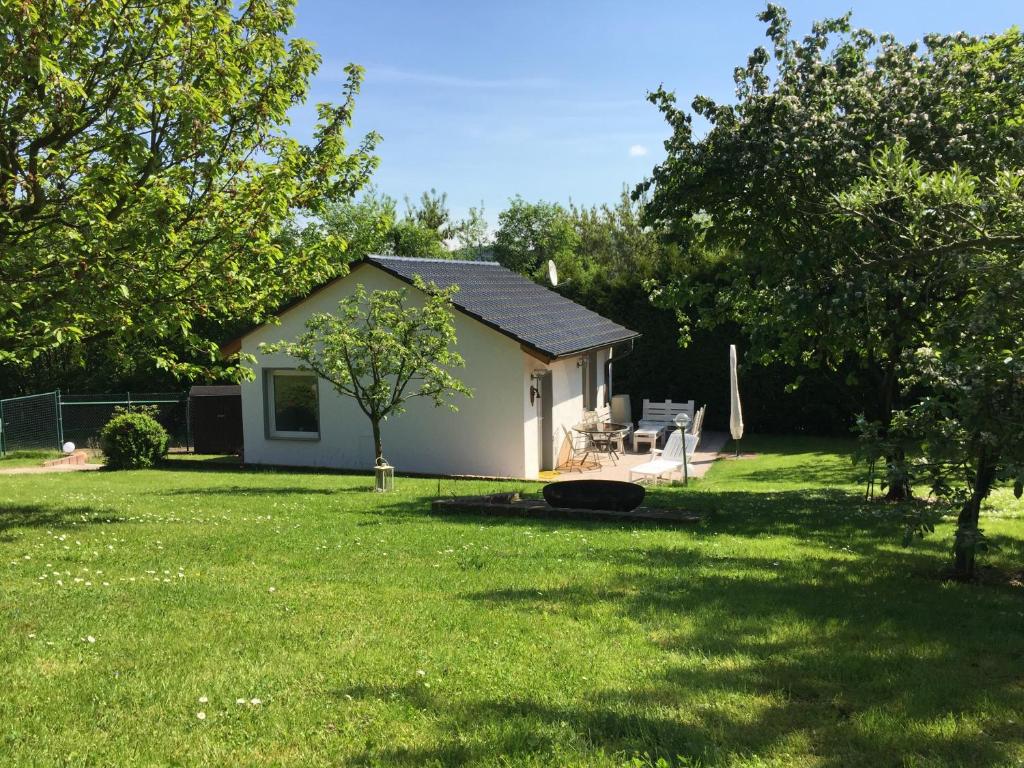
point(32, 422)
point(49, 420)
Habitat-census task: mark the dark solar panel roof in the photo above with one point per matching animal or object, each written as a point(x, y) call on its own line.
point(518, 307)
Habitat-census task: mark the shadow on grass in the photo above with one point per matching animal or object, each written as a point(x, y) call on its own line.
point(851, 655)
point(826, 475)
point(13, 516)
point(248, 490)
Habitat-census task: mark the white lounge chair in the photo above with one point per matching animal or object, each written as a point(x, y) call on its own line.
point(697, 425)
point(674, 458)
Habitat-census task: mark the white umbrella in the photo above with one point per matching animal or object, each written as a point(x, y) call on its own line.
point(735, 411)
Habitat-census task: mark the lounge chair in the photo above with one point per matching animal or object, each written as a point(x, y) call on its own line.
point(674, 458)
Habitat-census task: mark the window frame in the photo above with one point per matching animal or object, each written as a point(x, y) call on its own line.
point(270, 411)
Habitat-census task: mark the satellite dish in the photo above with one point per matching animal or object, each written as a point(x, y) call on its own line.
point(552, 273)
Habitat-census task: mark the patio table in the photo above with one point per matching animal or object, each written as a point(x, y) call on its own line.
point(601, 438)
point(646, 435)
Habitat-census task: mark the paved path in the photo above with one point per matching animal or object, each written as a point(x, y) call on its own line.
point(711, 445)
point(47, 470)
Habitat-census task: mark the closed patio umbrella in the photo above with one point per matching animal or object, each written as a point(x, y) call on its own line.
point(735, 410)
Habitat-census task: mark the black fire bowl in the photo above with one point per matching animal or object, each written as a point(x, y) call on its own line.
point(613, 495)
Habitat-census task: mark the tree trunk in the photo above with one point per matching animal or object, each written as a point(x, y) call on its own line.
point(965, 548)
point(897, 491)
point(378, 452)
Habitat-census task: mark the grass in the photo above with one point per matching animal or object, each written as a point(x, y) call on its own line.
point(18, 459)
point(790, 629)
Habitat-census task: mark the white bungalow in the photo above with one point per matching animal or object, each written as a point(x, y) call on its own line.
point(534, 359)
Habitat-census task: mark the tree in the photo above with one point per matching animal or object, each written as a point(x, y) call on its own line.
point(529, 234)
point(431, 213)
point(146, 172)
point(471, 235)
point(964, 379)
point(755, 195)
point(411, 239)
point(383, 352)
point(615, 247)
point(364, 225)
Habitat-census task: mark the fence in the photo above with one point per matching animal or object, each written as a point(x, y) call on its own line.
point(31, 422)
point(50, 419)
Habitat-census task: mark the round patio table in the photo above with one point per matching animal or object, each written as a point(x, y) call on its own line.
point(601, 438)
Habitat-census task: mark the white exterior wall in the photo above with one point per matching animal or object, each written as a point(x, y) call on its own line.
point(567, 402)
point(485, 437)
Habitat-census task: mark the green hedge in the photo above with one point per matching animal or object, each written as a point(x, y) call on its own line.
point(826, 403)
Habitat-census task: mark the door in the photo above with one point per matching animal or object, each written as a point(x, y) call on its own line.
point(545, 426)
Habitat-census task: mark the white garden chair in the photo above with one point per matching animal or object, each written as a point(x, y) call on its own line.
point(673, 458)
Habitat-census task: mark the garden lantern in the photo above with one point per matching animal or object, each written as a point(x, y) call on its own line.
point(384, 476)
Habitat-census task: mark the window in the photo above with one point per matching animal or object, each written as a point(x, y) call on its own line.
point(293, 410)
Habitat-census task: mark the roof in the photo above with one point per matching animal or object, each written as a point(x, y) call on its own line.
point(219, 390)
point(537, 317)
point(545, 323)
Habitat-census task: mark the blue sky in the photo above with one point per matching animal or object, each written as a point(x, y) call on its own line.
point(484, 100)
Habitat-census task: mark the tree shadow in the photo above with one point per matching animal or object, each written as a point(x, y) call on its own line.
point(13, 516)
point(248, 491)
point(834, 646)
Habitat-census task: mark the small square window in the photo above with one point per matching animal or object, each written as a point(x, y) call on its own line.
point(293, 408)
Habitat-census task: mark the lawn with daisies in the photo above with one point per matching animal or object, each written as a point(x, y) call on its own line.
point(198, 615)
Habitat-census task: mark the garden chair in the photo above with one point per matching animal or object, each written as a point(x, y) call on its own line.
point(673, 458)
point(571, 451)
point(697, 425)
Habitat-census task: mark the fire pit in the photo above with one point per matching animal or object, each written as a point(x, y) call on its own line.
point(613, 495)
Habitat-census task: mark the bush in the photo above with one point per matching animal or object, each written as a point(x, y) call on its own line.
point(133, 441)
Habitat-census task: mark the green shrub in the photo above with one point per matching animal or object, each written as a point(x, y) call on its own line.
point(133, 441)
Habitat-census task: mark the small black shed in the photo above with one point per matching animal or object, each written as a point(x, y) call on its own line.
point(215, 417)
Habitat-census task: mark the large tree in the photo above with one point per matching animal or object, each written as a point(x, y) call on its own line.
point(963, 374)
point(146, 172)
point(530, 234)
point(760, 187)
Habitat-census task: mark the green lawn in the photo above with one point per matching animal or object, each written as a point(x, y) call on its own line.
point(789, 629)
point(18, 459)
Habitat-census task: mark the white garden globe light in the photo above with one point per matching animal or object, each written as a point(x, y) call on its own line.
point(69, 447)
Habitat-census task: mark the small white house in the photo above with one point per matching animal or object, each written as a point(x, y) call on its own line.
point(534, 359)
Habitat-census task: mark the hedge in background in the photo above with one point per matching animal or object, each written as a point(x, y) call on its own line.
point(825, 403)
point(133, 441)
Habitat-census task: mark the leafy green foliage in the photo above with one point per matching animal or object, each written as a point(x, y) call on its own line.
point(964, 377)
point(381, 350)
point(370, 224)
point(759, 195)
point(471, 235)
point(363, 224)
point(133, 441)
point(147, 172)
point(529, 234)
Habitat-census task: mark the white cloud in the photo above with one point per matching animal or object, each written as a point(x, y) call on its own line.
point(637, 150)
